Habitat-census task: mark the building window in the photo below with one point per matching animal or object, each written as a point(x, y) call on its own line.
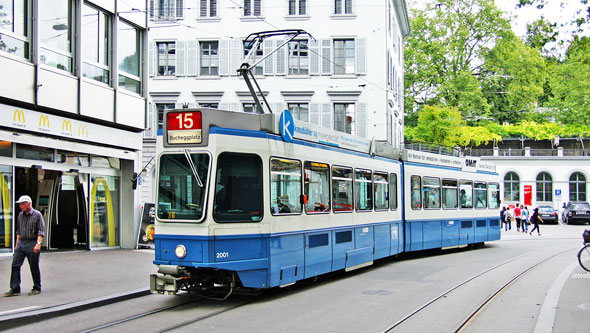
point(299, 110)
point(166, 9)
point(577, 187)
point(344, 117)
point(56, 26)
point(166, 58)
point(209, 105)
point(511, 187)
point(208, 8)
point(298, 58)
point(252, 7)
point(258, 70)
point(161, 107)
point(209, 58)
point(344, 56)
point(128, 48)
point(544, 187)
point(251, 108)
point(96, 44)
point(342, 7)
point(14, 27)
point(297, 7)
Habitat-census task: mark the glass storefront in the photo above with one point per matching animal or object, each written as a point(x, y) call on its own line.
point(104, 211)
point(5, 208)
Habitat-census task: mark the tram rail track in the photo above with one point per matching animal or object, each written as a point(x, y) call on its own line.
point(487, 300)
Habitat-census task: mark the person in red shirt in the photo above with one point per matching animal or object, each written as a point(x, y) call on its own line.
point(518, 217)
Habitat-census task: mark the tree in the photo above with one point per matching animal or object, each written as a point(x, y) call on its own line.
point(570, 84)
point(447, 46)
point(438, 125)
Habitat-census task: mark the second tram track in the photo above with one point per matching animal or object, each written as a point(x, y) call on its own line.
point(488, 300)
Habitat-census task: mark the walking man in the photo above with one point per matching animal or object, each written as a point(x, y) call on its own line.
point(517, 217)
point(30, 230)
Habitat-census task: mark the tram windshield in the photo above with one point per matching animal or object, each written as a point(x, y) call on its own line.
point(182, 186)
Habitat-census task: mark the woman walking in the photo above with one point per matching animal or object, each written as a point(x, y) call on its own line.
point(535, 219)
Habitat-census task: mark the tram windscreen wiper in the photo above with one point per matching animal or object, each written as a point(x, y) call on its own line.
point(191, 164)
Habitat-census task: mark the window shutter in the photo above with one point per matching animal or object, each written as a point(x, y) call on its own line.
point(314, 113)
point(314, 58)
point(326, 57)
point(281, 57)
point(269, 61)
point(179, 9)
point(152, 9)
point(192, 58)
point(327, 115)
point(203, 8)
point(236, 56)
point(149, 131)
point(361, 64)
point(213, 8)
point(180, 58)
point(257, 7)
point(224, 57)
point(152, 58)
point(361, 120)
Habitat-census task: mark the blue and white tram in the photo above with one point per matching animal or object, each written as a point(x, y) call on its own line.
point(260, 201)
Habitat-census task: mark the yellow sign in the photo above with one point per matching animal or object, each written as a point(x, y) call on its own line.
point(44, 121)
point(66, 126)
point(20, 115)
point(83, 130)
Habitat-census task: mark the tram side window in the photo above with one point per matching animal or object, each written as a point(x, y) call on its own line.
point(393, 191)
point(342, 189)
point(179, 195)
point(238, 188)
point(481, 192)
point(381, 191)
point(363, 190)
point(493, 195)
point(449, 194)
point(416, 188)
point(466, 194)
point(285, 186)
point(431, 188)
point(317, 187)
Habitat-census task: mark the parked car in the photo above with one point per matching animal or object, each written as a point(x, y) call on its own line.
point(576, 212)
point(548, 214)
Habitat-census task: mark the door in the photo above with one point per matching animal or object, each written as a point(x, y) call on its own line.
point(69, 220)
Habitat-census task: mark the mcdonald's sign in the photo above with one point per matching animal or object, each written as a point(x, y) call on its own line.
point(44, 121)
point(19, 116)
point(83, 130)
point(66, 126)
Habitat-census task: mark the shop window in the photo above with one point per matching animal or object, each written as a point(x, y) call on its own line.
point(285, 186)
point(342, 189)
point(6, 205)
point(5, 148)
point(104, 211)
point(317, 187)
point(106, 162)
point(34, 153)
point(72, 158)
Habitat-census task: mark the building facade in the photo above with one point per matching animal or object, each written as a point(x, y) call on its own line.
point(73, 104)
point(348, 77)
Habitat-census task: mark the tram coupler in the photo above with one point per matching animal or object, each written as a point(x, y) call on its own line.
point(166, 283)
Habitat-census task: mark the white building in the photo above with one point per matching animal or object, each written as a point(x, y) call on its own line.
point(350, 78)
point(72, 108)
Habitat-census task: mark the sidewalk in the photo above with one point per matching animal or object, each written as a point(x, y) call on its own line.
point(76, 279)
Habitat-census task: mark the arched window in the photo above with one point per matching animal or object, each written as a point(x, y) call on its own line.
point(577, 187)
point(544, 187)
point(511, 187)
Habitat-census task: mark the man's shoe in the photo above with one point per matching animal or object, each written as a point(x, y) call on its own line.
point(12, 292)
point(34, 292)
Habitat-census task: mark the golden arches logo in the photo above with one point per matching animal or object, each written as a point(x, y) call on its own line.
point(83, 130)
point(44, 121)
point(19, 116)
point(66, 126)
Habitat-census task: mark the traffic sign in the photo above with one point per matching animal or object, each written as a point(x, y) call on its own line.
point(558, 192)
point(287, 126)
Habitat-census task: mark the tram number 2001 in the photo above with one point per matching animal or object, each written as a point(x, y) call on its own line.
point(222, 255)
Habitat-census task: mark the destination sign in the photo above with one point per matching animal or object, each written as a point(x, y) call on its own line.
point(184, 127)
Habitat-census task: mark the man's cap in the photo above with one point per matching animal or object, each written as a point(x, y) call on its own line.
point(24, 198)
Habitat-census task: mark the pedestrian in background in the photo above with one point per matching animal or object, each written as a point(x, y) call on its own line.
point(535, 219)
point(30, 230)
point(509, 217)
point(517, 217)
point(503, 216)
point(525, 219)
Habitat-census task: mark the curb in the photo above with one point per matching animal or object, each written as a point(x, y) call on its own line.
point(29, 317)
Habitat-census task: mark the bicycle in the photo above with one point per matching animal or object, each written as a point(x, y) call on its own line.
point(584, 253)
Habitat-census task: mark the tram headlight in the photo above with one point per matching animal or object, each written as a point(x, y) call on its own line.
point(180, 251)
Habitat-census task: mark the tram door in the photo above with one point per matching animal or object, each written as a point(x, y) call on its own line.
point(61, 199)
